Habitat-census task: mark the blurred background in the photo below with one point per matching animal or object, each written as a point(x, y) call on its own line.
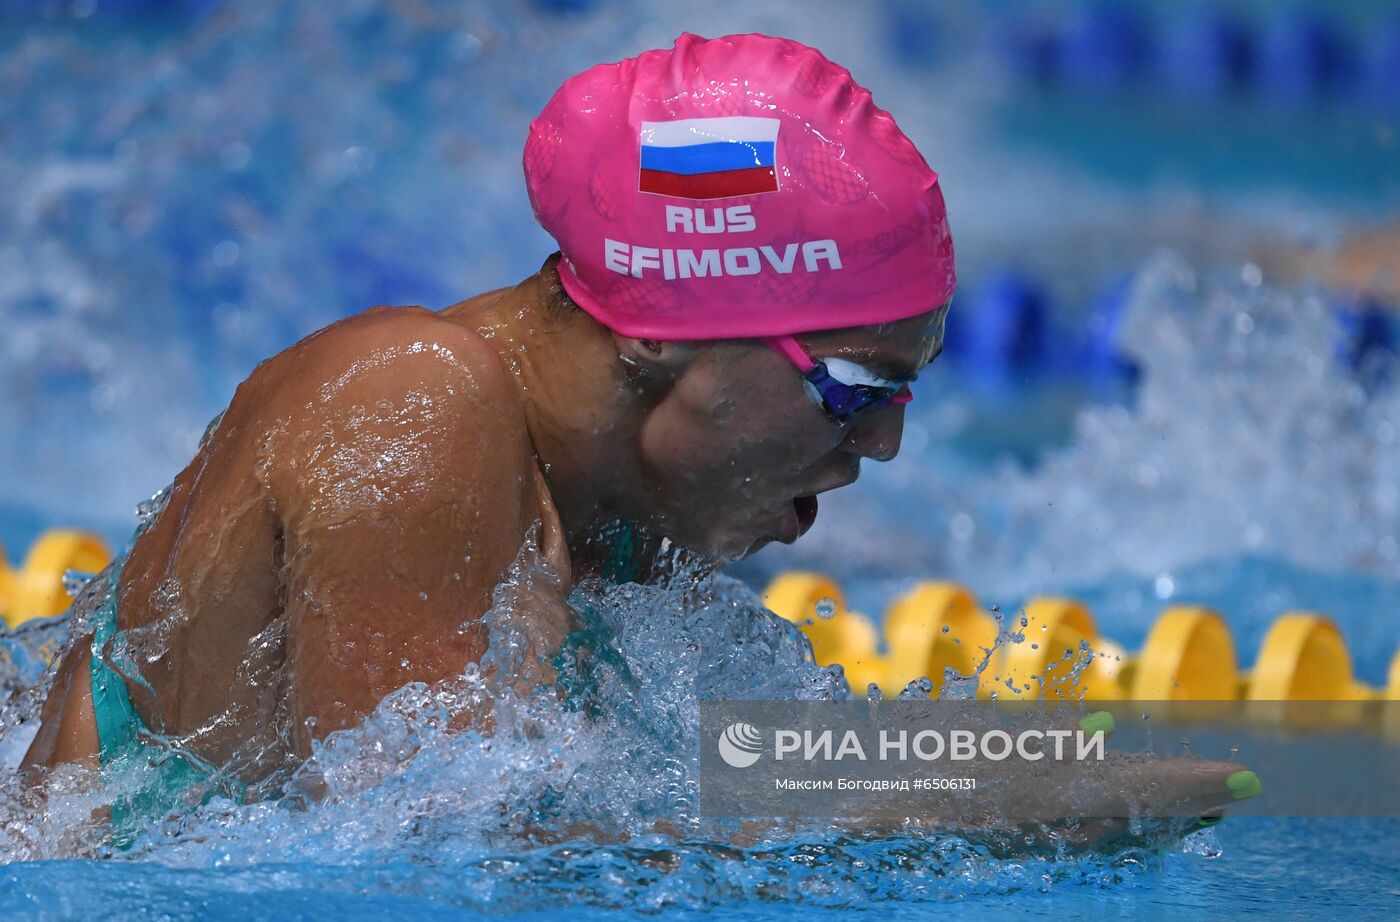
point(1169, 370)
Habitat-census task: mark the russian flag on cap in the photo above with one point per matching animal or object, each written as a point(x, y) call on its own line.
point(709, 157)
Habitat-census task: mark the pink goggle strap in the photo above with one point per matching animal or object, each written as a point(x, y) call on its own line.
point(791, 350)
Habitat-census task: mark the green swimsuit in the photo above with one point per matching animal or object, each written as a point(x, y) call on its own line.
point(123, 738)
point(126, 741)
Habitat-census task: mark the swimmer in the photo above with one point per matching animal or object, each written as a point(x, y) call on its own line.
point(754, 264)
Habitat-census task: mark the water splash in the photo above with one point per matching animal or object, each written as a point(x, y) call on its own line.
point(589, 792)
point(1250, 436)
point(404, 791)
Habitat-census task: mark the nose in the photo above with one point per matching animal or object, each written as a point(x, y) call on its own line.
point(876, 433)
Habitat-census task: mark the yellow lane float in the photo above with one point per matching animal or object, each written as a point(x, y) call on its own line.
point(1055, 658)
point(1303, 658)
point(938, 629)
point(816, 604)
point(35, 589)
point(934, 627)
point(1188, 656)
point(1391, 715)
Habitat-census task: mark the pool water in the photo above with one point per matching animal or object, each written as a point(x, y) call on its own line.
point(197, 191)
point(1264, 868)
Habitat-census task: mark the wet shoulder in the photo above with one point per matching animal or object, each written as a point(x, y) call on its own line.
point(390, 402)
point(387, 357)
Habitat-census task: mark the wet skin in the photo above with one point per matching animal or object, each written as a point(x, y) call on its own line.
point(342, 529)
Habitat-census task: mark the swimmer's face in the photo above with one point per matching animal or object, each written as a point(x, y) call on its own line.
point(738, 451)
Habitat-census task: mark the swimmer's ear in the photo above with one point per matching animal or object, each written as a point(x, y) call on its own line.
point(651, 358)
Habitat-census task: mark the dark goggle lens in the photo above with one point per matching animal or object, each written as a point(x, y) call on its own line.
point(845, 400)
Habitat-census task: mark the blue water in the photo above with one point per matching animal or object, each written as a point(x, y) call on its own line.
point(194, 191)
point(1248, 868)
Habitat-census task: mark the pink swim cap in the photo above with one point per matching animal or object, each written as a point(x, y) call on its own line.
point(742, 186)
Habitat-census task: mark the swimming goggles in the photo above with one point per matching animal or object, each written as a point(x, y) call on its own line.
point(840, 387)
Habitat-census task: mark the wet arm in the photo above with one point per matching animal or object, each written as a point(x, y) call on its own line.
point(405, 486)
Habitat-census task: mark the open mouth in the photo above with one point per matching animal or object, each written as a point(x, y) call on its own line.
point(806, 507)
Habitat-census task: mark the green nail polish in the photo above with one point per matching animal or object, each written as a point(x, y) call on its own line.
point(1209, 820)
point(1244, 784)
point(1099, 720)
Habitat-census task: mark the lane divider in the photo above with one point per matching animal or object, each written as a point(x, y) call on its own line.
point(815, 602)
point(35, 588)
point(1052, 649)
point(1188, 656)
point(934, 627)
point(1288, 55)
point(938, 629)
point(1055, 657)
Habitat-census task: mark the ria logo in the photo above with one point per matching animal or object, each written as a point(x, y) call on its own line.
point(740, 745)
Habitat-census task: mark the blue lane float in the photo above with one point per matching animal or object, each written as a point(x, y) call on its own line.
point(1098, 357)
point(1383, 66)
point(1031, 50)
point(109, 9)
point(1289, 54)
point(1004, 328)
point(1106, 47)
point(1302, 57)
point(564, 7)
point(1206, 53)
point(912, 31)
point(1367, 342)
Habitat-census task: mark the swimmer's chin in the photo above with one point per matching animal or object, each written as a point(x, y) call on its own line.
point(737, 548)
point(760, 543)
point(755, 547)
point(739, 544)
